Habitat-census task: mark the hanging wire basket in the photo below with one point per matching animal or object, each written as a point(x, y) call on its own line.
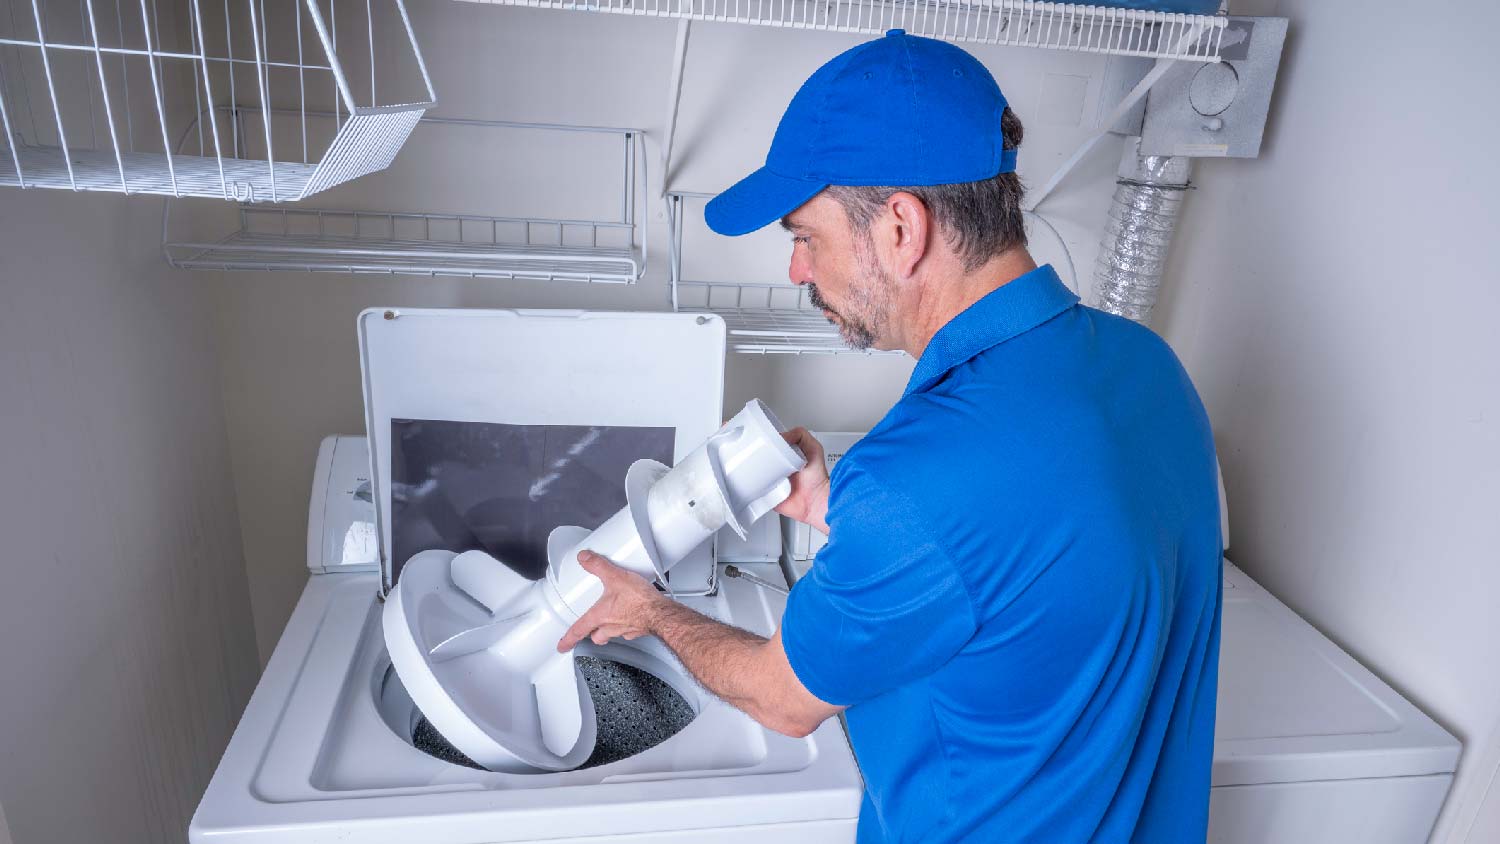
point(243, 100)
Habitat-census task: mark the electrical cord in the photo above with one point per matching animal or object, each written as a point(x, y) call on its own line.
point(1072, 282)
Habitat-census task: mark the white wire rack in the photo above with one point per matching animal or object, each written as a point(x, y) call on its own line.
point(437, 244)
point(177, 97)
point(1022, 23)
point(761, 318)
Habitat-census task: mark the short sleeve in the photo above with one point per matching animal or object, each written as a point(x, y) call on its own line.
point(882, 605)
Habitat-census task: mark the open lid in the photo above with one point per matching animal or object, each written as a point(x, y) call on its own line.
point(1294, 707)
point(535, 368)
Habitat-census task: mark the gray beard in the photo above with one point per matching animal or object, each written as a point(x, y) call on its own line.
point(856, 333)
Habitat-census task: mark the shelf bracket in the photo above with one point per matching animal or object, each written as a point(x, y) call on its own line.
point(674, 99)
point(1136, 94)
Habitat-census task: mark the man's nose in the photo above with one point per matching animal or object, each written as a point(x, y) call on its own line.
point(800, 269)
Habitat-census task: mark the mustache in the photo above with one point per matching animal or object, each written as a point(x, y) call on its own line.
point(817, 300)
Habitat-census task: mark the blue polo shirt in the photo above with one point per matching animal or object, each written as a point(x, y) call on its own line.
point(1019, 598)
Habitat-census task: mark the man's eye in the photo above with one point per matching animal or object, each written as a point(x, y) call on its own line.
point(802, 239)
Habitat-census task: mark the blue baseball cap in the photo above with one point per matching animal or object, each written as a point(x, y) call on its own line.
point(900, 110)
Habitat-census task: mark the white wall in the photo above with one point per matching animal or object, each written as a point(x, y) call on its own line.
point(128, 650)
point(1334, 301)
point(291, 371)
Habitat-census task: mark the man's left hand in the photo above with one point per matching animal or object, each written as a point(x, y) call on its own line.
point(626, 609)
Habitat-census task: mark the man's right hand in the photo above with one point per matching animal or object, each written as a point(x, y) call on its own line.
point(808, 502)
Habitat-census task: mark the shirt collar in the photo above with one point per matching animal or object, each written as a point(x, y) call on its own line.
point(1013, 308)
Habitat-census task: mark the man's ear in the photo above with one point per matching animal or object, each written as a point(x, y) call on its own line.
point(911, 226)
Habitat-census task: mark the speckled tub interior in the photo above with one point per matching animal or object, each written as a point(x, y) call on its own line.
point(636, 711)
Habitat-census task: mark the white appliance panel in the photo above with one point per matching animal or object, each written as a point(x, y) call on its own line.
point(341, 532)
point(1294, 707)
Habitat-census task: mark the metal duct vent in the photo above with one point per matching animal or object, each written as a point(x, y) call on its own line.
point(1138, 234)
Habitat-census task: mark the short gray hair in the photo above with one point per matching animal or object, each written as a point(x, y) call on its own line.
point(980, 220)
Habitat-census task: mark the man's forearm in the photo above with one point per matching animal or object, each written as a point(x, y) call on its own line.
point(747, 671)
point(722, 657)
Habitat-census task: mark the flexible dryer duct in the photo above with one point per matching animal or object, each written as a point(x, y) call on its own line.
point(1138, 234)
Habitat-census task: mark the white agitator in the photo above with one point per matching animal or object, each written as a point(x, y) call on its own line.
point(491, 681)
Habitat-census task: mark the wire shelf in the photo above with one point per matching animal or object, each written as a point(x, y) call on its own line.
point(431, 244)
point(1021, 23)
point(761, 319)
point(764, 319)
point(110, 95)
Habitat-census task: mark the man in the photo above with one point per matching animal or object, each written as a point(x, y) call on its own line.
point(1018, 606)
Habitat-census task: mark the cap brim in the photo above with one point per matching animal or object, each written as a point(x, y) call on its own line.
point(757, 200)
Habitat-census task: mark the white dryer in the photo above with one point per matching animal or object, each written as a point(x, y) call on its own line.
point(328, 747)
point(1310, 747)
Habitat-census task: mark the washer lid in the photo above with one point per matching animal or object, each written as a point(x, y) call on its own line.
point(534, 367)
point(1293, 707)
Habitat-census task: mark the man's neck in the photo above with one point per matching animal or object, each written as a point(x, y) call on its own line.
point(950, 290)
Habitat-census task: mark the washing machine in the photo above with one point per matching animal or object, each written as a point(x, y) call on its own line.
point(331, 747)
